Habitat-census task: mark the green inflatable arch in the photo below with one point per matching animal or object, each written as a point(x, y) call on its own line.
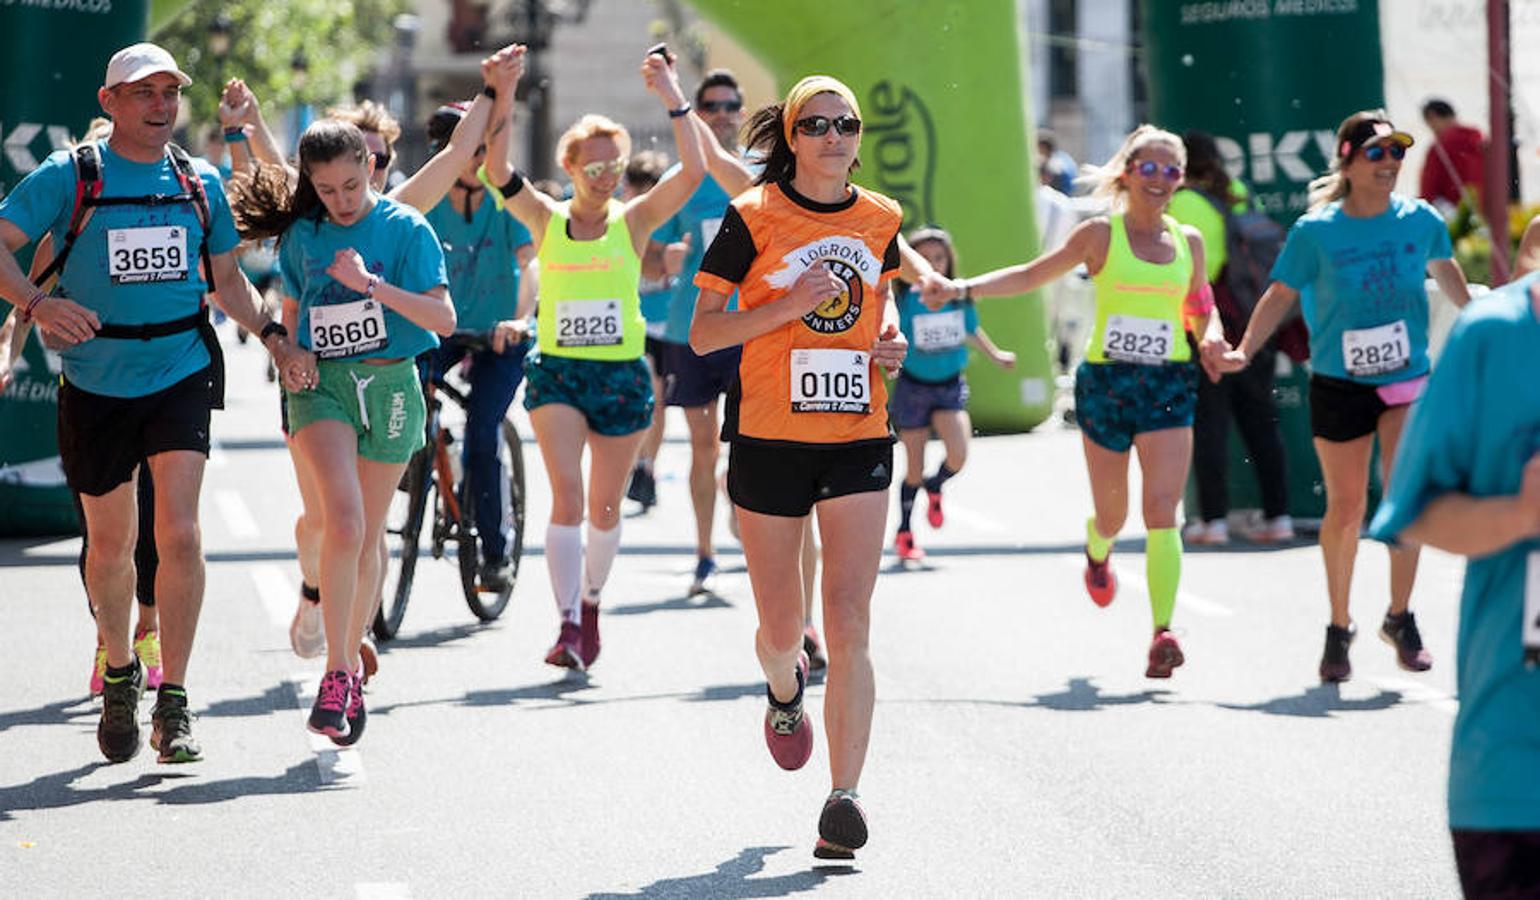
point(948, 135)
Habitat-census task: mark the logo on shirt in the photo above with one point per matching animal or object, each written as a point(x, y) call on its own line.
point(851, 262)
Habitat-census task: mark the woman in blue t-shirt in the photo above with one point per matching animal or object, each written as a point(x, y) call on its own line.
point(930, 391)
point(369, 278)
point(1356, 261)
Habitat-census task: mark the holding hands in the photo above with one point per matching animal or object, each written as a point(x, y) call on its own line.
point(502, 70)
point(937, 290)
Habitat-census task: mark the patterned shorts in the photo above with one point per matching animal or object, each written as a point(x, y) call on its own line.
point(1115, 401)
point(615, 397)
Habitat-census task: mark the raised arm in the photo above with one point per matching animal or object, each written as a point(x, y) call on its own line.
point(246, 110)
point(726, 168)
point(645, 213)
point(480, 125)
point(531, 207)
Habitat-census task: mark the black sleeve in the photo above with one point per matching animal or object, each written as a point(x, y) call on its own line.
point(890, 258)
point(733, 251)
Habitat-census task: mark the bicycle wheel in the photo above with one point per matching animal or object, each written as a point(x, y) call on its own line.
point(488, 605)
point(408, 511)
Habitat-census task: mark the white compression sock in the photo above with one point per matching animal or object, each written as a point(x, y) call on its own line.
point(602, 547)
point(564, 560)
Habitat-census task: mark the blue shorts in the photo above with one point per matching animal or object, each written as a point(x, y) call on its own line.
point(1115, 401)
point(914, 400)
point(691, 380)
point(615, 397)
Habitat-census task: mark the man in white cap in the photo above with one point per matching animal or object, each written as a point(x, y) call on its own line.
point(142, 368)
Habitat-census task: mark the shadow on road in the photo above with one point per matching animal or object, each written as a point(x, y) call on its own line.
point(1081, 695)
point(1319, 702)
point(57, 791)
point(57, 713)
point(734, 879)
point(435, 638)
point(569, 692)
point(705, 600)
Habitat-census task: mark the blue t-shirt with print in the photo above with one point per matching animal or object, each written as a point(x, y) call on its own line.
point(655, 297)
point(1355, 274)
point(700, 217)
point(168, 234)
point(481, 257)
point(937, 339)
point(1471, 432)
point(396, 243)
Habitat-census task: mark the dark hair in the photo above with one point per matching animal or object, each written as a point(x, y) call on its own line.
point(442, 124)
point(767, 141)
point(717, 78)
point(930, 233)
point(646, 169)
point(265, 203)
point(1047, 138)
point(1206, 168)
point(1437, 107)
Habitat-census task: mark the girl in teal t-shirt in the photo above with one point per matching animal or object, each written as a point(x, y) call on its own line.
point(368, 276)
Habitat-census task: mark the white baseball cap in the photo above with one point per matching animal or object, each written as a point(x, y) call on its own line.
point(141, 61)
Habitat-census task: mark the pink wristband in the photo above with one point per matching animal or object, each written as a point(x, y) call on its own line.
point(37, 298)
point(1199, 303)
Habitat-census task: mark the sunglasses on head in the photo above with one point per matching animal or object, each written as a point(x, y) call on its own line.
point(818, 126)
point(381, 158)
point(1376, 152)
point(715, 106)
point(1149, 168)
point(599, 169)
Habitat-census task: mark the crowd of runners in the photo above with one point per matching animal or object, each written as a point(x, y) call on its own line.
point(753, 270)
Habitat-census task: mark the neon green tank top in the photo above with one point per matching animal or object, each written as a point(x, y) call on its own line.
point(1139, 304)
point(589, 307)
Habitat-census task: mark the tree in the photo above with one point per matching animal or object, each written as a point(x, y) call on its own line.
point(291, 52)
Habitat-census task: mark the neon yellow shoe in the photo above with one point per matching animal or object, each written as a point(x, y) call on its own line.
point(147, 646)
point(99, 670)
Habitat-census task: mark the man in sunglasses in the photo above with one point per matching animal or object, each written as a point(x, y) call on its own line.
point(691, 382)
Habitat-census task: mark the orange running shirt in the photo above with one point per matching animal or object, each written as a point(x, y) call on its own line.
point(810, 381)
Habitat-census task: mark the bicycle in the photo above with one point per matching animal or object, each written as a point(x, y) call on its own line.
point(452, 519)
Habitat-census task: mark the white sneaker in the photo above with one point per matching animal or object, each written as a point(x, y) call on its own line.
point(1273, 531)
point(307, 633)
point(1208, 534)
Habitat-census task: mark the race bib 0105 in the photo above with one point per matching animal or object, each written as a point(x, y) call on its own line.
point(588, 323)
point(1134, 339)
point(147, 255)
point(347, 329)
point(1375, 351)
point(934, 332)
point(830, 381)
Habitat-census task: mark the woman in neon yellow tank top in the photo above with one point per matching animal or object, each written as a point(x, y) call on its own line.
point(1138, 384)
point(586, 383)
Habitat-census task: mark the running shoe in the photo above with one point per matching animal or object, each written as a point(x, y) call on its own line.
point(705, 567)
point(588, 634)
point(812, 645)
point(1335, 666)
point(1276, 530)
point(354, 713)
point(147, 647)
point(368, 657)
point(1165, 654)
point(643, 488)
point(566, 651)
point(1401, 633)
point(117, 734)
point(1207, 534)
point(1100, 581)
point(933, 513)
point(904, 546)
point(496, 575)
point(788, 730)
point(329, 714)
point(98, 669)
point(171, 730)
point(307, 633)
point(841, 827)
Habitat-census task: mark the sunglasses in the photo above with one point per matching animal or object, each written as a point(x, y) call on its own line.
point(600, 169)
point(1376, 152)
point(381, 158)
point(1149, 168)
point(818, 126)
point(716, 106)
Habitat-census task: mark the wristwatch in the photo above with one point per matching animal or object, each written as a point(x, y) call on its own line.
point(272, 328)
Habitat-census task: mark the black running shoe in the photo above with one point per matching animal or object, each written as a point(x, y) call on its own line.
point(171, 730)
point(841, 827)
point(1335, 666)
point(355, 714)
point(1401, 633)
point(643, 488)
point(328, 715)
point(117, 734)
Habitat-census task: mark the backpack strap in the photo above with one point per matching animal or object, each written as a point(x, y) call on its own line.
point(88, 191)
point(192, 186)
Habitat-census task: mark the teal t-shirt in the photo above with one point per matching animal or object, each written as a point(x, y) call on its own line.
point(700, 218)
point(937, 339)
point(655, 297)
point(1472, 431)
point(396, 243)
point(154, 275)
point(1365, 276)
point(482, 259)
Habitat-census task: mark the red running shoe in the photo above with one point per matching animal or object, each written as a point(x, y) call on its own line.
point(904, 546)
point(1165, 654)
point(788, 730)
point(565, 652)
point(588, 634)
point(933, 513)
point(1100, 582)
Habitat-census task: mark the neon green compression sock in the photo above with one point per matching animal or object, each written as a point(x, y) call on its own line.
point(1096, 545)
point(1162, 572)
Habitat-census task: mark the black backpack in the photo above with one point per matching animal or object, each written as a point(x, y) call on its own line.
point(1252, 244)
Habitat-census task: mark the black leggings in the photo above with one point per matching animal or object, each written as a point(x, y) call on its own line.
point(146, 559)
point(1248, 396)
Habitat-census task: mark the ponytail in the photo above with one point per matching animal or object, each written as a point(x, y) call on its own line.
point(266, 203)
point(767, 137)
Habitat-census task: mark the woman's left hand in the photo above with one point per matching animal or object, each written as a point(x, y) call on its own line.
point(1211, 354)
point(347, 269)
point(890, 349)
point(297, 367)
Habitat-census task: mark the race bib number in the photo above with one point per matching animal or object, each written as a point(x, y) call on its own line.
point(147, 255)
point(708, 231)
point(1137, 340)
point(939, 331)
point(1375, 351)
point(588, 323)
point(347, 329)
point(830, 381)
point(1531, 629)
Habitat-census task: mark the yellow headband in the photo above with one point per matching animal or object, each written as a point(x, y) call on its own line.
point(805, 90)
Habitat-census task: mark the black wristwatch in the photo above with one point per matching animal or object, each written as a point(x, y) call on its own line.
point(681, 112)
point(270, 329)
point(490, 91)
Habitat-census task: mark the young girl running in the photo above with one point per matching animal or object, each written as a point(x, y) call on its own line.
point(1137, 387)
point(369, 279)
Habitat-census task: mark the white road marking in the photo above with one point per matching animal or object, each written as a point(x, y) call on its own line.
point(1419, 693)
point(379, 890)
point(336, 764)
point(276, 591)
point(237, 515)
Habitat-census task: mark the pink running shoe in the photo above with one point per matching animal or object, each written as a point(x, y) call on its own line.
point(147, 645)
point(566, 652)
point(588, 634)
point(1165, 654)
point(353, 712)
point(1100, 581)
point(99, 670)
point(329, 714)
point(788, 730)
point(904, 546)
point(933, 513)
